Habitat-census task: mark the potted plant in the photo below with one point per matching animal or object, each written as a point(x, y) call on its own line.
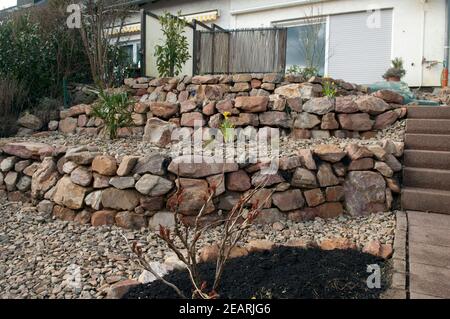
point(396, 72)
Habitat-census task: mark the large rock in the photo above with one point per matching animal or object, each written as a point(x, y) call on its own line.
point(94, 200)
point(372, 105)
point(68, 125)
point(8, 164)
point(30, 121)
point(306, 158)
point(120, 199)
point(355, 122)
point(153, 164)
point(44, 178)
point(81, 158)
point(164, 109)
point(330, 153)
point(238, 181)
point(122, 182)
point(194, 195)
point(11, 180)
point(103, 217)
point(192, 119)
point(314, 197)
point(326, 176)
point(356, 152)
point(104, 165)
point(166, 219)
point(329, 122)
point(81, 176)
point(288, 200)
point(28, 150)
point(252, 104)
point(269, 216)
point(198, 166)
point(389, 96)
point(346, 104)
point(385, 120)
point(273, 118)
point(158, 132)
point(365, 193)
point(304, 178)
point(69, 194)
point(126, 165)
point(130, 220)
point(305, 120)
point(320, 106)
point(153, 185)
point(302, 90)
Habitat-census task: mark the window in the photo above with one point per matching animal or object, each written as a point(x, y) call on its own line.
point(128, 50)
point(306, 45)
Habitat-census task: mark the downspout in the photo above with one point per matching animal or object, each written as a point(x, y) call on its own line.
point(444, 79)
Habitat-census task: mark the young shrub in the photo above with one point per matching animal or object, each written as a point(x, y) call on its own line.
point(396, 72)
point(226, 127)
point(13, 99)
point(174, 52)
point(115, 110)
point(233, 226)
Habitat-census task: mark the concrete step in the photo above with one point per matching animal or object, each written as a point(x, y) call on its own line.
point(426, 200)
point(427, 159)
point(428, 126)
point(432, 142)
point(428, 112)
point(426, 178)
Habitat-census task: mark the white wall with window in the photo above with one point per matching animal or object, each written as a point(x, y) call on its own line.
point(361, 36)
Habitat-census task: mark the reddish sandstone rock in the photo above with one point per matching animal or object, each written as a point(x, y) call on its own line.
point(269, 216)
point(244, 119)
point(104, 165)
point(83, 217)
point(27, 150)
point(68, 125)
point(266, 180)
point(304, 178)
point(198, 166)
point(44, 178)
point(209, 108)
point(329, 210)
point(288, 163)
point(306, 121)
point(259, 245)
point(334, 193)
point(63, 213)
point(120, 199)
point(346, 104)
point(325, 175)
point(69, 194)
point(226, 106)
point(314, 197)
point(305, 214)
point(153, 185)
point(273, 118)
point(195, 193)
point(252, 104)
point(372, 105)
point(362, 164)
point(319, 106)
point(365, 193)
point(355, 122)
point(192, 119)
point(130, 220)
point(81, 176)
point(337, 243)
point(262, 198)
point(126, 165)
point(158, 132)
point(210, 253)
point(238, 181)
point(103, 217)
point(163, 109)
point(306, 158)
point(385, 120)
point(329, 122)
point(356, 152)
point(389, 96)
point(288, 200)
point(329, 153)
point(188, 106)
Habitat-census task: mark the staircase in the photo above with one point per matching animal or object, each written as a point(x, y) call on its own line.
point(426, 175)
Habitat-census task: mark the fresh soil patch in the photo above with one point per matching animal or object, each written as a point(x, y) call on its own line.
point(281, 273)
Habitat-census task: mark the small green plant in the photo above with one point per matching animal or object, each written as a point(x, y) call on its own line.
point(329, 88)
point(226, 127)
point(306, 72)
point(114, 110)
point(396, 71)
point(174, 52)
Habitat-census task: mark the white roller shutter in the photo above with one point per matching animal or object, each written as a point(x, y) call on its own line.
point(360, 47)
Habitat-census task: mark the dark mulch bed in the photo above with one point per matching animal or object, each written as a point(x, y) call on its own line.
point(281, 273)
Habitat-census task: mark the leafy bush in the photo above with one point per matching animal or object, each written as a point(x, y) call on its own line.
point(174, 52)
point(114, 110)
point(13, 99)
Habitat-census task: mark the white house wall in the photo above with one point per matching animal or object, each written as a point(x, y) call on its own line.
point(418, 27)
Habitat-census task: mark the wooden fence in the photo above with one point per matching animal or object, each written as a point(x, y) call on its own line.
point(219, 51)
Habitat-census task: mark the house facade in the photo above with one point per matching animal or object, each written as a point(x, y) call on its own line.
point(357, 38)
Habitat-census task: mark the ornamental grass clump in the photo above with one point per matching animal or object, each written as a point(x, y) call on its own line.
point(115, 110)
point(329, 88)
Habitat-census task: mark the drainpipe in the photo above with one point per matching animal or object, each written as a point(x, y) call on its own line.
point(444, 79)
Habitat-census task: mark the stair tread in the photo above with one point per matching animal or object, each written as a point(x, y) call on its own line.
point(426, 190)
point(430, 170)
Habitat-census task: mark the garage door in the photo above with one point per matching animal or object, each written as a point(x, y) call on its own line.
point(360, 46)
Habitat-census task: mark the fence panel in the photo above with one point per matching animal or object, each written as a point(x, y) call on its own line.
point(241, 51)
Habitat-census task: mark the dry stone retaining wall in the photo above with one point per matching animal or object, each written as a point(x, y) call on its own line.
point(290, 103)
point(82, 185)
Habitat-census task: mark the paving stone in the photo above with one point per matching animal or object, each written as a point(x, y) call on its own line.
point(429, 280)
